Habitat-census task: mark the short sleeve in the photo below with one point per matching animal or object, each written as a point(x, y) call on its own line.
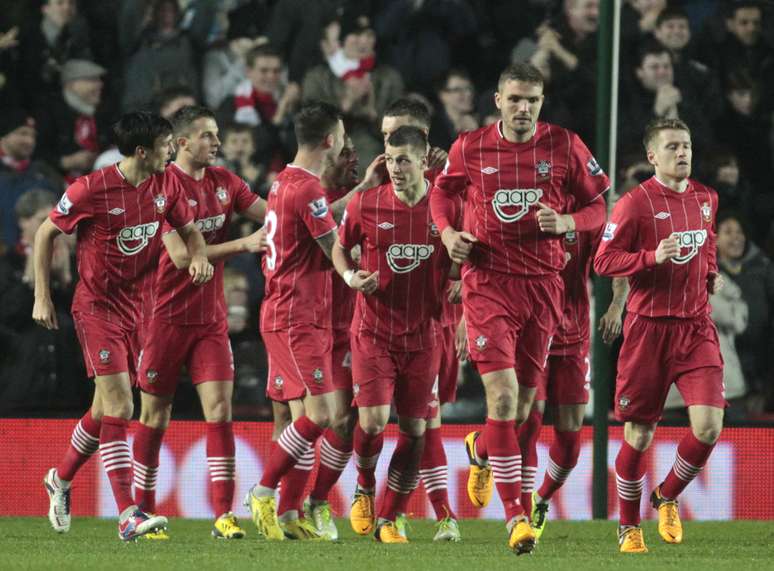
point(350, 232)
point(244, 198)
point(179, 212)
point(312, 207)
point(453, 179)
point(618, 254)
point(587, 179)
point(74, 207)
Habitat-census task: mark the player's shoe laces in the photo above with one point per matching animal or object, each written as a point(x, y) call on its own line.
point(538, 516)
point(521, 537)
point(388, 532)
point(227, 527)
point(631, 540)
point(670, 528)
point(323, 520)
point(134, 523)
point(264, 513)
point(361, 514)
point(299, 528)
point(448, 530)
point(58, 502)
point(480, 481)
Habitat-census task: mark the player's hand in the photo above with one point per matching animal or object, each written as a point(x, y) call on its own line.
point(610, 324)
point(667, 249)
point(200, 269)
point(458, 244)
point(436, 158)
point(461, 341)
point(364, 282)
point(256, 242)
point(375, 174)
point(715, 283)
point(551, 222)
point(43, 313)
point(455, 291)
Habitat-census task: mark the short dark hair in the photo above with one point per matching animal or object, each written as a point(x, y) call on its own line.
point(32, 201)
point(314, 121)
point(171, 93)
point(265, 50)
point(650, 48)
point(671, 13)
point(740, 80)
point(733, 7)
point(408, 135)
point(185, 116)
point(520, 71)
point(139, 129)
point(655, 126)
point(409, 107)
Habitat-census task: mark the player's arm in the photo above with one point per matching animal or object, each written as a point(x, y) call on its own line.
point(374, 176)
point(348, 237)
point(178, 252)
point(198, 267)
point(256, 211)
point(610, 323)
point(43, 311)
point(715, 280)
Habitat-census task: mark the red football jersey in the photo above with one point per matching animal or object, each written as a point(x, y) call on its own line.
point(298, 275)
point(343, 307)
point(505, 181)
point(641, 219)
point(402, 243)
point(119, 240)
point(213, 199)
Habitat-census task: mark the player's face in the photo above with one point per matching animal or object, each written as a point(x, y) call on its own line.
point(519, 103)
point(674, 34)
point(406, 166)
point(202, 144)
point(656, 71)
point(265, 73)
point(345, 169)
point(336, 140)
point(458, 94)
point(746, 25)
point(20, 143)
point(671, 154)
point(391, 124)
point(61, 12)
point(158, 157)
point(238, 145)
point(731, 239)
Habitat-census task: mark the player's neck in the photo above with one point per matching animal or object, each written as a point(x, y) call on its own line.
point(413, 195)
point(309, 161)
point(188, 167)
point(133, 171)
point(675, 184)
point(515, 137)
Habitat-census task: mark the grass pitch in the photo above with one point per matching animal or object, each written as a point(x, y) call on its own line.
point(29, 543)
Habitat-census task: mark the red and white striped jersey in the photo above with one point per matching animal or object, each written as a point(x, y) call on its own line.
point(119, 240)
point(213, 199)
point(402, 243)
point(642, 218)
point(505, 181)
point(298, 275)
point(343, 307)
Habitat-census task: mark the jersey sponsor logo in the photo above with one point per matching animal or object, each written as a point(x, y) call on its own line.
point(662, 216)
point(386, 225)
point(64, 205)
point(133, 239)
point(593, 167)
point(609, 232)
point(161, 203)
point(488, 170)
point(521, 198)
point(413, 253)
point(222, 195)
point(691, 240)
point(706, 212)
point(211, 224)
point(543, 169)
point(116, 211)
point(319, 207)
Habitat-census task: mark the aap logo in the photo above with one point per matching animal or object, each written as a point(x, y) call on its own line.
point(403, 258)
point(520, 198)
point(689, 241)
point(132, 239)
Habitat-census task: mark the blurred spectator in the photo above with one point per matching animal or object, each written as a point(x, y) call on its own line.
point(11, 89)
point(418, 38)
point(238, 151)
point(47, 42)
point(753, 272)
point(250, 20)
point(454, 115)
point(362, 94)
point(733, 192)
point(159, 53)
point(638, 20)
point(171, 100)
point(224, 67)
point(71, 126)
point(18, 172)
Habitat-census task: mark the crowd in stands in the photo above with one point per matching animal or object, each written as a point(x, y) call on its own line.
point(69, 68)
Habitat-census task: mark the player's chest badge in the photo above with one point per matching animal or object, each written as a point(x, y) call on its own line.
point(434, 230)
point(222, 195)
point(706, 212)
point(161, 203)
point(570, 237)
point(543, 170)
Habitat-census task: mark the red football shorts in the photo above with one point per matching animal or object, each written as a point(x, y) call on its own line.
point(566, 378)
point(299, 362)
point(108, 348)
point(449, 367)
point(381, 376)
point(511, 321)
point(658, 352)
point(342, 360)
point(204, 350)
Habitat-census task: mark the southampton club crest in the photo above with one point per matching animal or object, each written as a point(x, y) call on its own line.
point(152, 376)
point(278, 382)
point(161, 203)
point(481, 342)
point(104, 356)
point(317, 374)
point(706, 212)
point(543, 169)
point(222, 195)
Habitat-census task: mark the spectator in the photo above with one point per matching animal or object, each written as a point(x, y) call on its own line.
point(71, 126)
point(18, 172)
point(753, 272)
point(224, 67)
point(11, 89)
point(455, 113)
point(639, 20)
point(734, 194)
point(238, 156)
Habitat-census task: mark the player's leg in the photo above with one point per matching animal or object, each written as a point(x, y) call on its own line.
point(368, 442)
point(630, 479)
point(155, 414)
point(528, 433)
point(434, 472)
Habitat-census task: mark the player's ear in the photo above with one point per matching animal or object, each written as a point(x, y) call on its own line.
point(651, 155)
point(328, 141)
point(498, 100)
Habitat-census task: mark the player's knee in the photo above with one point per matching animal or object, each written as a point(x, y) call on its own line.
point(321, 417)
point(504, 404)
point(218, 411)
point(372, 424)
point(121, 409)
point(414, 428)
point(707, 433)
point(343, 425)
point(639, 439)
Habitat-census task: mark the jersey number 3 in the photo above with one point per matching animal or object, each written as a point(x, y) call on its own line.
point(271, 248)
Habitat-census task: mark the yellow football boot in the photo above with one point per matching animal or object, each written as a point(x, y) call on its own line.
point(521, 538)
point(362, 513)
point(227, 527)
point(539, 516)
point(301, 529)
point(388, 532)
point(264, 513)
point(156, 535)
point(670, 528)
point(631, 540)
point(480, 480)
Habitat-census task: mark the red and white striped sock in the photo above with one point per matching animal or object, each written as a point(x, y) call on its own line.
point(335, 453)
point(367, 447)
point(221, 462)
point(84, 442)
point(117, 459)
point(692, 455)
point(505, 460)
point(402, 476)
point(528, 434)
point(146, 448)
point(629, 479)
point(293, 484)
point(562, 458)
point(291, 446)
point(435, 474)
